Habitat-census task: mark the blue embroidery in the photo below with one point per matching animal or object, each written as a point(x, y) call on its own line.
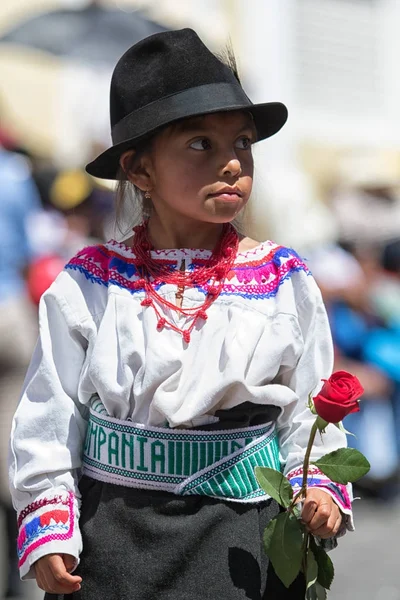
point(38, 532)
point(32, 527)
point(123, 267)
point(284, 253)
point(253, 288)
point(87, 274)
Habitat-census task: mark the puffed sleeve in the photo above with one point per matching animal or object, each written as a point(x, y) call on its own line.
point(47, 436)
point(294, 424)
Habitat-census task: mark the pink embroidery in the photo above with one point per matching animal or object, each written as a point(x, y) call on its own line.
point(21, 538)
point(266, 286)
point(260, 278)
point(32, 528)
point(316, 478)
point(92, 253)
point(311, 471)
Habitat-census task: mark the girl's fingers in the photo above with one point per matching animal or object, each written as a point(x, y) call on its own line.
point(330, 529)
point(321, 514)
point(53, 577)
point(43, 581)
point(40, 569)
point(62, 580)
point(308, 512)
point(69, 562)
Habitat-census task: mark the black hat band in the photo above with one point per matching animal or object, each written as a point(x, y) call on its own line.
point(213, 97)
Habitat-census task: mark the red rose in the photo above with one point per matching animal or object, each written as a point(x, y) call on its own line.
point(338, 397)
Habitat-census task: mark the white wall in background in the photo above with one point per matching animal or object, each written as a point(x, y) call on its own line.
point(346, 55)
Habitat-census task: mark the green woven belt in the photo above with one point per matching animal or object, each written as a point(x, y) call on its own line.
point(219, 464)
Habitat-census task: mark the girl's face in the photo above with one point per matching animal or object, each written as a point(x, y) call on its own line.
point(200, 169)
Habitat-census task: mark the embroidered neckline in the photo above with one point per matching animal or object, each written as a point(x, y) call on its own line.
point(210, 276)
point(192, 253)
point(258, 277)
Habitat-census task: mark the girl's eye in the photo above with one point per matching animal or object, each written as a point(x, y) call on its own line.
point(201, 144)
point(243, 143)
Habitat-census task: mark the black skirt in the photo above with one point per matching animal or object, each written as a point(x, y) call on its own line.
point(146, 545)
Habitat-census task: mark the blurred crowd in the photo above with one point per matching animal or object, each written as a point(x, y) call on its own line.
point(47, 214)
point(359, 276)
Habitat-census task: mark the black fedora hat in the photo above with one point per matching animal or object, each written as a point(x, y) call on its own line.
point(167, 77)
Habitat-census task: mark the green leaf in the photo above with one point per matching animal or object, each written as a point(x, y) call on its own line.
point(312, 569)
point(297, 511)
point(343, 465)
point(283, 545)
point(326, 572)
point(275, 485)
point(322, 594)
point(342, 428)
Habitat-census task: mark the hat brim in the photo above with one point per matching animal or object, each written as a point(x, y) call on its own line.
point(268, 117)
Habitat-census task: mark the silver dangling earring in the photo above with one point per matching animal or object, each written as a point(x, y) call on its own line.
point(147, 195)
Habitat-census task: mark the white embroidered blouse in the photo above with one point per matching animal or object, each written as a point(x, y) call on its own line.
point(266, 341)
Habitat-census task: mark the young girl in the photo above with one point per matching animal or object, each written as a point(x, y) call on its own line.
point(170, 365)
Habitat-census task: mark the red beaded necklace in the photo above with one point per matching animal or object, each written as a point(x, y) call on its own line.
point(209, 276)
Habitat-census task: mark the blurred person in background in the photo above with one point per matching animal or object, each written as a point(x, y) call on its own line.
point(71, 193)
point(74, 216)
point(366, 203)
point(382, 347)
point(345, 283)
point(363, 305)
point(19, 200)
point(385, 285)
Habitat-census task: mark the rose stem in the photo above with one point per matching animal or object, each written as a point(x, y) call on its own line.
point(306, 464)
point(303, 490)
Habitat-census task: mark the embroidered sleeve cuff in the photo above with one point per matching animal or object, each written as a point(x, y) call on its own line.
point(48, 525)
point(341, 494)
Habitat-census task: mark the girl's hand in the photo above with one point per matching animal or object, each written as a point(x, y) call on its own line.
point(320, 513)
point(52, 574)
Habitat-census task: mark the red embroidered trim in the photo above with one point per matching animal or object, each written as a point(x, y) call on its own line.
point(53, 536)
point(39, 504)
point(337, 491)
point(300, 470)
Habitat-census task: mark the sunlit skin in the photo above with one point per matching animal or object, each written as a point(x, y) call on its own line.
point(321, 514)
point(185, 171)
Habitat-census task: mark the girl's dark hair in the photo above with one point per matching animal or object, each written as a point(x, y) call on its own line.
point(131, 205)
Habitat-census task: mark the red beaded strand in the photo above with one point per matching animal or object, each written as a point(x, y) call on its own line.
point(209, 276)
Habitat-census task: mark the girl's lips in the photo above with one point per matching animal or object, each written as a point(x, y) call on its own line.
point(226, 196)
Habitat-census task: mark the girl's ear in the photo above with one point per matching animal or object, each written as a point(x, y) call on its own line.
point(134, 170)
point(126, 161)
